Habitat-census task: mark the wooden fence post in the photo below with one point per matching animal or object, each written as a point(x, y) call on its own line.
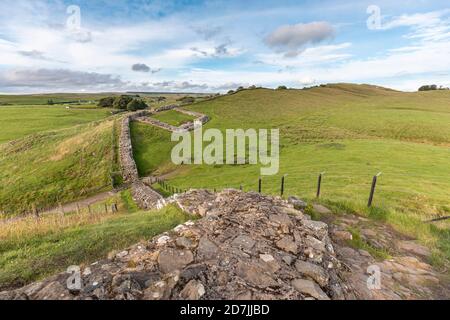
point(61, 209)
point(319, 184)
point(282, 185)
point(372, 189)
point(106, 208)
point(89, 209)
point(259, 185)
point(35, 212)
point(78, 208)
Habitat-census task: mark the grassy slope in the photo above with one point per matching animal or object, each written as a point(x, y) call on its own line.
point(351, 132)
point(35, 256)
point(173, 117)
point(19, 121)
point(53, 166)
point(151, 147)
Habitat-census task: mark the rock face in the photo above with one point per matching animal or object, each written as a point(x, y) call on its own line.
point(246, 246)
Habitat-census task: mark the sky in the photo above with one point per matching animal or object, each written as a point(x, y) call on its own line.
point(215, 46)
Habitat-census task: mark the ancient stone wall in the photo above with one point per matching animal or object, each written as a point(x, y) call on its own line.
point(128, 165)
point(145, 197)
point(166, 108)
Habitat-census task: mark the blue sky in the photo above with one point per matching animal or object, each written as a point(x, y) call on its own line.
point(210, 46)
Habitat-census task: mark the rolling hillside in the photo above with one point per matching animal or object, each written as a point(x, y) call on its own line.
point(351, 132)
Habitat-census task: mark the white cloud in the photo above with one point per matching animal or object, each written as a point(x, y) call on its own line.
point(293, 38)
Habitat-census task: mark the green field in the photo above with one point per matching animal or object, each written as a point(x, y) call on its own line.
point(19, 121)
point(351, 133)
point(43, 99)
point(173, 117)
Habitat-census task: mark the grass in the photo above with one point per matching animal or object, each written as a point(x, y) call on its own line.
point(151, 147)
point(173, 117)
point(36, 255)
point(351, 132)
point(55, 166)
point(42, 99)
point(20, 121)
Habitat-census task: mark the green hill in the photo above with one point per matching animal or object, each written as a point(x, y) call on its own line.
point(351, 132)
point(55, 166)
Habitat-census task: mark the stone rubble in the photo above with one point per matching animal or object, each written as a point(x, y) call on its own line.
point(249, 246)
point(245, 246)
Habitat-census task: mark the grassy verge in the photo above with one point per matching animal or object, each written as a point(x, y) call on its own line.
point(37, 255)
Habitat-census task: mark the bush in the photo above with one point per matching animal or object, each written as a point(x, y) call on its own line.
point(106, 102)
point(122, 102)
point(231, 92)
point(136, 104)
point(282, 88)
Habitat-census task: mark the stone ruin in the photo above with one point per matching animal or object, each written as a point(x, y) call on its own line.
point(245, 246)
point(145, 197)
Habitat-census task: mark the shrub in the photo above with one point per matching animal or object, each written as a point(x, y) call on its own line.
point(122, 102)
point(136, 104)
point(282, 88)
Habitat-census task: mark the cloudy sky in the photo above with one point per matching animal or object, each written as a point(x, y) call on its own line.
point(210, 46)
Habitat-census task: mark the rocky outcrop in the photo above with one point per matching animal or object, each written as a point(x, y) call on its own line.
point(246, 246)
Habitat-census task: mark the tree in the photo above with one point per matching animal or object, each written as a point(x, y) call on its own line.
point(282, 88)
point(428, 87)
point(122, 102)
point(231, 92)
point(107, 102)
point(50, 102)
point(136, 104)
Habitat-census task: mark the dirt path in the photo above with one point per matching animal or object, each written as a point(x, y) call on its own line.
point(72, 206)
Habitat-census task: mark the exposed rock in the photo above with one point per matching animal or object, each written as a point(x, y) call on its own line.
point(171, 259)
point(309, 288)
point(194, 290)
point(287, 244)
point(313, 271)
point(297, 203)
point(321, 209)
point(342, 235)
point(413, 248)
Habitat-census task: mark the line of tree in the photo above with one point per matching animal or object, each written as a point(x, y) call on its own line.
point(123, 102)
point(432, 87)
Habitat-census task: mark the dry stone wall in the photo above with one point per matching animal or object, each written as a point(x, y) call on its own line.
point(145, 197)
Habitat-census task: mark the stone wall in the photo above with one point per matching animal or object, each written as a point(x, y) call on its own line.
point(145, 197)
point(166, 108)
point(127, 163)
